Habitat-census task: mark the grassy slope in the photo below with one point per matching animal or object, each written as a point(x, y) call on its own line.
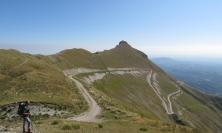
point(74, 58)
point(124, 55)
point(130, 91)
point(133, 93)
point(121, 56)
point(45, 81)
point(64, 126)
point(199, 110)
point(167, 85)
point(192, 106)
point(27, 77)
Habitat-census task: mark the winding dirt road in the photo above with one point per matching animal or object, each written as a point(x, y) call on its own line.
point(94, 110)
point(167, 104)
point(170, 96)
point(155, 89)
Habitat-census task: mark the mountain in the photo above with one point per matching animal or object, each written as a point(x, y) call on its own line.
point(120, 88)
point(116, 57)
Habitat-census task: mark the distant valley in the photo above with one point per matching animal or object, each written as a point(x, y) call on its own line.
point(205, 76)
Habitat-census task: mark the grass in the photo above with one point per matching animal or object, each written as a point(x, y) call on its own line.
point(133, 93)
point(28, 77)
point(40, 79)
point(73, 58)
point(192, 111)
point(124, 56)
point(167, 85)
point(70, 127)
point(65, 126)
point(116, 57)
point(198, 113)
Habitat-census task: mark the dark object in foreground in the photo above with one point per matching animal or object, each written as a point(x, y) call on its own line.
point(176, 119)
point(24, 112)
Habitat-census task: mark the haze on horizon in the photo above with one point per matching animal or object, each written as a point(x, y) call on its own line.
point(159, 28)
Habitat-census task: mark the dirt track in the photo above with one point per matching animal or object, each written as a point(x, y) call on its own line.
point(167, 104)
point(94, 109)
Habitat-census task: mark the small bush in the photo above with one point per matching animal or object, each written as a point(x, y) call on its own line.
point(75, 127)
point(116, 117)
point(70, 127)
point(143, 129)
point(100, 125)
point(55, 123)
point(66, 127)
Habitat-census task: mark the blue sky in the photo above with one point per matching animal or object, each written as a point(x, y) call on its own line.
point(172, 28)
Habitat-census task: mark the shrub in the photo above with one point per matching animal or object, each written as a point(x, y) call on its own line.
point(75, 126)
point(55, 122)
point(66, 127)
point(143, 129)
point(100, 125)
point(70, 127)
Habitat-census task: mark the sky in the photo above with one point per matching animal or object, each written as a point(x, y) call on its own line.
point(169, 28)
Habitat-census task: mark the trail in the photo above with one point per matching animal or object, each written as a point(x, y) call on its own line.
point(171, 96)
point(94, 109)
point(155, 89)
point(167, 105)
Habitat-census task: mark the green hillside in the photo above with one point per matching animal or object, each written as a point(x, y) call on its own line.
point(124, 83)
point(28, 77)
point(73, 58)
point(135, 95)
point(123, 55)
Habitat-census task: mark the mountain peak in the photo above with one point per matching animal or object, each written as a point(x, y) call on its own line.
point(123, 44)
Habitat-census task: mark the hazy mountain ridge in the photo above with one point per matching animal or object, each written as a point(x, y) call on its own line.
point(205, 76)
